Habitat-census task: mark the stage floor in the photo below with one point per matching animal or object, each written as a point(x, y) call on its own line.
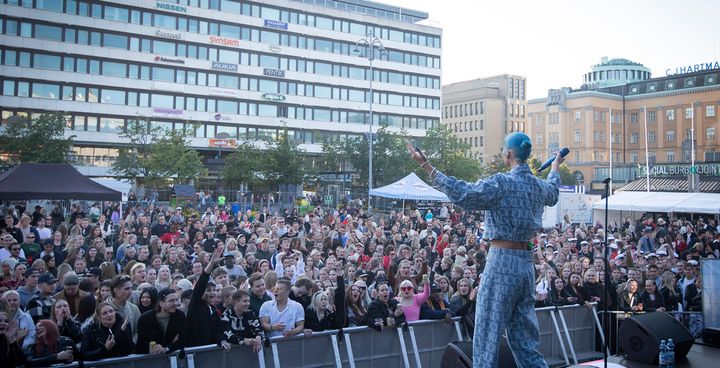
point(699, 356)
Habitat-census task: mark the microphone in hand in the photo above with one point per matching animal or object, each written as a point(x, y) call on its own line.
point(563, 153)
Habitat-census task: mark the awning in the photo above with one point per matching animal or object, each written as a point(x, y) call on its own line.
point(411, 188)
point(662, 202)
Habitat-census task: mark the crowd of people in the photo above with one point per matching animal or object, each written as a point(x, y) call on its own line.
point(152, 280)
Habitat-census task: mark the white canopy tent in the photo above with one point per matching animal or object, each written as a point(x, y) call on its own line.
point(410, 188)
point(634, 204)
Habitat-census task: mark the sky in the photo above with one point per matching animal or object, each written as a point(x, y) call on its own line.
point(553, 42)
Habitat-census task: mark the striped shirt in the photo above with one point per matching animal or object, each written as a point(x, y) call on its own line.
point(513, 201)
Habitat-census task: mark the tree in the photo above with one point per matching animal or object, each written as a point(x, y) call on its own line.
point(134, 159)
point(39, 140)
point(496, 166)
point(243, 165)
point(284, 161)
point(449, 155)
point(172, 157)
point(566, 176)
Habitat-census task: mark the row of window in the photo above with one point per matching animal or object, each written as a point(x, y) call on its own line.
point(670, 114)
point(161, 47)
point(172, 48)
point(111, 124)
point(22, 88)
point(600, 116)
point(191, 24)
point(634, 138)
point(466, 109)
point(467, 126)
point(234, 81)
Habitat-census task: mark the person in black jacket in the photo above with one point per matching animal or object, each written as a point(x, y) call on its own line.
point(161, 330)
point(109, 336)
point(651, 299)
point(384, 311)
point(49, 347)
point(202, 325)
point(240, 325)
point(67, 325)
point(321, 315)
point(11, 354)
point(693, 296)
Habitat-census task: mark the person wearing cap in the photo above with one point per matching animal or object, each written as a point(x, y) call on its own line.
point(161, 330)
point(40, 306)
point(71, 292)
point(28, 290)
point(513, 204)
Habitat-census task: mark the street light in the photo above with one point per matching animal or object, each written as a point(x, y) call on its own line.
point(370, 47)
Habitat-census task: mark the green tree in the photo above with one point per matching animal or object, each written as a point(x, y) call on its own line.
point(566, 176)
point(172, 157)
point(38, 140)
point(449, 155)
point(243, 165)
point(390, 158)
point(496, 166)
point(284, 161)
point(134, 159)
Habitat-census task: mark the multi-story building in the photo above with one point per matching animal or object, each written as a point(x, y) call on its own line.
point(235, 69)
point(480, 112)
point(657, 113)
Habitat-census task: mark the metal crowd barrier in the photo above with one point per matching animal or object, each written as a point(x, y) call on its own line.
point(567, 335)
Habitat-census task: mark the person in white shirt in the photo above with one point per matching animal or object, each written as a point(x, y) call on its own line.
point(282, 316)
point(44, 232)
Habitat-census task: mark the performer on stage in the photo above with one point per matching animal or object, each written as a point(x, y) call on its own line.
point(513, 204)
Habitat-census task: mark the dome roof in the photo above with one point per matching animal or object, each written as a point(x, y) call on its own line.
point(618, 61)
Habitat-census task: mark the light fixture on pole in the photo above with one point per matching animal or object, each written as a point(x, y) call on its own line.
point(369, 48)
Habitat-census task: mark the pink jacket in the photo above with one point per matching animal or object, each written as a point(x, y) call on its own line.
point(412, 312)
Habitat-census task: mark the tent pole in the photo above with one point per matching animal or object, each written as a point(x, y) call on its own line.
point(403, 206)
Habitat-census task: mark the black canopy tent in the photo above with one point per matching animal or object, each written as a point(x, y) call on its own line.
point(52, 181)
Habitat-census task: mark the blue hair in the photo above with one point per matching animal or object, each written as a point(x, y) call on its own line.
point(519, 143)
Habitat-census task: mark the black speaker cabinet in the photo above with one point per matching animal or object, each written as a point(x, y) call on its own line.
point(640, 336)
point(459, 355)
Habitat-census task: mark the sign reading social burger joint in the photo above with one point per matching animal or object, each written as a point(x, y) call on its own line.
point(273, 97)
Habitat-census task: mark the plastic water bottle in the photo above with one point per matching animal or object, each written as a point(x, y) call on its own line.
point(670, 356)
point(662, 356)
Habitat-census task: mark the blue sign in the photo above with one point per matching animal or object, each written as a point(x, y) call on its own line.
point(275, 24)
point(274, 72)
point(693, 68)
point(224, 66)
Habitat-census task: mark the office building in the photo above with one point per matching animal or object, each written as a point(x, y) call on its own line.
point(669, 106)
point(480, 112)
point(238, 69)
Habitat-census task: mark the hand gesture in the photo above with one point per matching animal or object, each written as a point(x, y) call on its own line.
point(65, 355)
point(225, 345)
point(157, 349)
point(257, 344)
point(110, 342)
point(217, 254)
point(125, 323)
point(417, 156)
point(20, 333)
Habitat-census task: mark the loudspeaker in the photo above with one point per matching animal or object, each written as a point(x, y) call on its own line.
point(459, 355)
point(640, 336)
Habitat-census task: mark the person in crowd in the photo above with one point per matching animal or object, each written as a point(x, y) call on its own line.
point(25, 328)
point(693, 296)
point(11, 353)
point(651, 299)
point(629, 299)
point(384, 311)
point(67, 325)
point(202, 325)
point(240, 325)
point(323, 315)
point(556, 296)
point(121, 291)
point(356, 310)
point(463, 300)
point(411, 302)
point(28, 290)
point(148, 299)
point(71, 291)
point(282, 316)
point(573, 291)
point(50, 347)
point(108, 336)
point(161, 330)
point(670, 291)
point(593, 289)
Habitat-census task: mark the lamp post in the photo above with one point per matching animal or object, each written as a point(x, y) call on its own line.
point(368, 48)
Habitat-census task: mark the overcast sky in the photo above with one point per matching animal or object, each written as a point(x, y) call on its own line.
point(553, 42)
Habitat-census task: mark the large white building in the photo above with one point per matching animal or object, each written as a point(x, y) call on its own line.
point(238, 69)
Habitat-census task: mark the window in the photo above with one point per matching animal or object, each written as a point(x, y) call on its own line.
point(578, 135)
point(111, 125)
point(651, 116)
point(578, 116)
point(113, 69)
point(634, 138)
point(8, 88)
point(709, 111)
point(46, 61)
point(113, 40)
point(48, 32)
point(670, 156)
point(163, 74)
point(113, 96)
point(710, 134)
point(44, 90)
point(670, 114)
point(51, 5)
point(689, 112)
point(118, 14)
point(598, 116)
point(652, 137)
point(670, 136)
point(634, 157)
point(633, 118)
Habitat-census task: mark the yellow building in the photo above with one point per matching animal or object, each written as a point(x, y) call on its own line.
point(658, 111)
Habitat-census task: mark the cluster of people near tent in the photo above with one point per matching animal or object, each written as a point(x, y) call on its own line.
point(96, 285)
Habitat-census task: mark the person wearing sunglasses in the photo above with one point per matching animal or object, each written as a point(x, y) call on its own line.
point(411, 302)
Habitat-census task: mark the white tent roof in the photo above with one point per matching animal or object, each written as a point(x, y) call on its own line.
point(662, 202)
point(412, 188)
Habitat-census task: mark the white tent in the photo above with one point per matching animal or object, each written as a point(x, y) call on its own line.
point(411, 188)
point(670, 202)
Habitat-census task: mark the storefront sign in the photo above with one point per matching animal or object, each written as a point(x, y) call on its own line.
point(693, 68)
point(224, 41)
point(163, 59)
point(273, 97)
point(217, 142)
point(166, 34)
point(167, 112)
point(224, 66)
point(274, 72)
point(224, 92)
point(170, 7)
point(680, 170)
point(221, 117)
point(275, 24)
